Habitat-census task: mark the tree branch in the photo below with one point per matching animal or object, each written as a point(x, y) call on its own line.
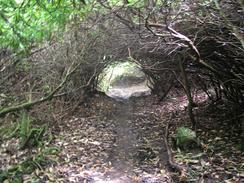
point(50, 96)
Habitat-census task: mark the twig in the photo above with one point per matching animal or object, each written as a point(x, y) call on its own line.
point(50, 96)
point(171, 163)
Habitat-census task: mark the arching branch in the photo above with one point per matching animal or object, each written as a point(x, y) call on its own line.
point(49, 97)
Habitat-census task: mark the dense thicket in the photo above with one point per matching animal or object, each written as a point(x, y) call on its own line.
point(57, 49)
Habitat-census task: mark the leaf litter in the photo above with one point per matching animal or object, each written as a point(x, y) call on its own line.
point(122, 142)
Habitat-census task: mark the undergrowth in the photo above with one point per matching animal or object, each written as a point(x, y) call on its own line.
point(29, 136)
point(38, 161)
point(185, 138)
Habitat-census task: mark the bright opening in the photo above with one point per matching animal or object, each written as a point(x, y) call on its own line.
point(122, 80)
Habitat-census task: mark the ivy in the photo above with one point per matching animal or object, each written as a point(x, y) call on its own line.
point(27, 22)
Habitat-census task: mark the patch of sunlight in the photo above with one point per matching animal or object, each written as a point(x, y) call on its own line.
point(127, 92)
point(19, 1)
point(99, 177)
point(114, 176)
point(110, 181)
point(86, 141)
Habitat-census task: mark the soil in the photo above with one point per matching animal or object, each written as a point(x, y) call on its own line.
point(128, 145)
point(122, 142)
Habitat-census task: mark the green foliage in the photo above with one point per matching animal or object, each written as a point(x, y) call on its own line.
point(37, 161)
point(185, 138)
point(23, 23)
point(24, 127)
point(24, 66)
point(29, 136)
point(9, 130)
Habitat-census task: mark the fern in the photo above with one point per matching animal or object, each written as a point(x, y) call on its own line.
point(24, 129)
point(10, 130)
point(29, 165)
point(29, 136)
point(185, 137)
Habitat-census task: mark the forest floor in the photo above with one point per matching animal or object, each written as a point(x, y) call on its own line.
point(123, 142)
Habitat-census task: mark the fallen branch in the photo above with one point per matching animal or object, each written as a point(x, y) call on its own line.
point(50, 96)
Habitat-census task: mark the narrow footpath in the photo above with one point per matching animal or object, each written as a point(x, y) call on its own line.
point(124, 145)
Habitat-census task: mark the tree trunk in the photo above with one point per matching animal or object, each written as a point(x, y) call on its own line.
point(188, 94)
point(242, 135)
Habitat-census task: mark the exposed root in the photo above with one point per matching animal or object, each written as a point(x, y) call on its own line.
point(172, 164)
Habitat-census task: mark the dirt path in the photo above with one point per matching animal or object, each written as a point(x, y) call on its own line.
point(121, 157)
point(108, 141)
point(123, 146)
point(136, 156)
point(113, 142)
point(126, 92)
